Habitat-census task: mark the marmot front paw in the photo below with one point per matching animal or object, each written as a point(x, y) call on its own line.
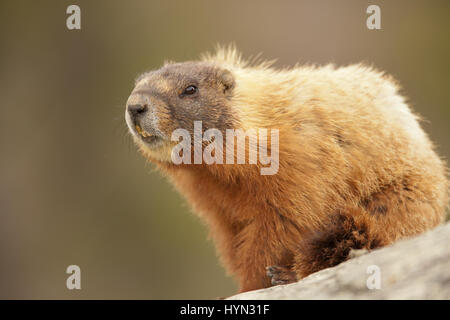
point(280, 275)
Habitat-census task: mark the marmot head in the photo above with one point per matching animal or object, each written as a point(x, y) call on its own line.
point(175, 96)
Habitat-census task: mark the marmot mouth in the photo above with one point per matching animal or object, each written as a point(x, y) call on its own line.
point(145, 136)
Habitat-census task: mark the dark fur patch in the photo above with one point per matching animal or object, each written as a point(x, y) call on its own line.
point(340, 140)
point(375, 204)
point(332, 244)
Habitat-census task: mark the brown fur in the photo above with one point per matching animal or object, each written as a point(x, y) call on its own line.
point(355, 168)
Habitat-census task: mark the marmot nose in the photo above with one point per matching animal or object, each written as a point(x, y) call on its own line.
point(137, 109)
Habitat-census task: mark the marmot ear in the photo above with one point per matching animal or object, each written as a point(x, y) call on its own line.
point(226, 78)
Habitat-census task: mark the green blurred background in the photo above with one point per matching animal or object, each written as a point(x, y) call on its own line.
point(73, 189)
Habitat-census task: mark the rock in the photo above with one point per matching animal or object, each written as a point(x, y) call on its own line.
point(416, 268)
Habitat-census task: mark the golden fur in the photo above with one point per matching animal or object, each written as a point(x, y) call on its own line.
point(350, 150)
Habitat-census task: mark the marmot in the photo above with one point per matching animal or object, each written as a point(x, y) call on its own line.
point(356, 170)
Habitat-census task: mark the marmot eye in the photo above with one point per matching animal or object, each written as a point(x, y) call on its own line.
point(190, 90)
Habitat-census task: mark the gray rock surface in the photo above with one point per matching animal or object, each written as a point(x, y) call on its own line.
point(416, 268)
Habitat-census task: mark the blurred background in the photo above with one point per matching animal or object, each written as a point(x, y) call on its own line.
point(74, 190)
